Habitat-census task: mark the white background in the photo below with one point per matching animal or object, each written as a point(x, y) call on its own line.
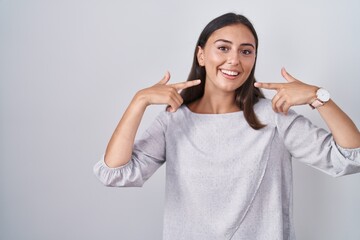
point(68, 69)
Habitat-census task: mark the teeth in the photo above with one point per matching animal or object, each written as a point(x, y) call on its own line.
point(231, 73)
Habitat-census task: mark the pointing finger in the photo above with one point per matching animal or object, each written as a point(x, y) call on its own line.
point(187, 84)
point(272, 86)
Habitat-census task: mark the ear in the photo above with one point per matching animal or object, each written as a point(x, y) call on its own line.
point(200, 56)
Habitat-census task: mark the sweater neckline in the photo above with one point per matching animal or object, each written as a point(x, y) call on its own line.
point(229, 114)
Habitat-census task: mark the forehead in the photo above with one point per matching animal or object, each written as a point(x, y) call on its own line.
point(237, 33)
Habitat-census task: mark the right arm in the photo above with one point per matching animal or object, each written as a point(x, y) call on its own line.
point(120, 146)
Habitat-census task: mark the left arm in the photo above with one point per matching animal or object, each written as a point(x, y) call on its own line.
point(295, 92)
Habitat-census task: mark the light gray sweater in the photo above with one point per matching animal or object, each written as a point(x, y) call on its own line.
point(225, 180)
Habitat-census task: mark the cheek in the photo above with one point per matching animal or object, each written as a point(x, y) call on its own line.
point(248, 65)
point(212, 57)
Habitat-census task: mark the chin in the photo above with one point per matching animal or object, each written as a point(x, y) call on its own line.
point(231, 87)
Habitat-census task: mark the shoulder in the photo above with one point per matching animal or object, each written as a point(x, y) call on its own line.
point(263, 106)
point(164, 117)
point(264, 111)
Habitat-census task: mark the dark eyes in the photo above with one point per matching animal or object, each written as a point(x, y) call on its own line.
point(243, 52)
point(223, 49)
point(246, 52)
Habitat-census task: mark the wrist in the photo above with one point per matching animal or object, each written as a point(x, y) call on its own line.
point(140, 100)
point(313, 96)
point(321, 98)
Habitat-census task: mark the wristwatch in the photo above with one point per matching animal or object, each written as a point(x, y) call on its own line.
point(322, 96)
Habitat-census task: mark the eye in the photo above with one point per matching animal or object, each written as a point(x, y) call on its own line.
point(246, 52)
point(223, 49)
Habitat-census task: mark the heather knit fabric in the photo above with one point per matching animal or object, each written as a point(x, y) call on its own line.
point(225, 180)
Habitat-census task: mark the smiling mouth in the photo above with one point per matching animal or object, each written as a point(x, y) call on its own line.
point(230, 73)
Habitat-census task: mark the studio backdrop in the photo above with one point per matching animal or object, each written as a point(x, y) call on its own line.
point(69, 68)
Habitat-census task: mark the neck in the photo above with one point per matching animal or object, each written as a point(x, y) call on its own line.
point(215, 103)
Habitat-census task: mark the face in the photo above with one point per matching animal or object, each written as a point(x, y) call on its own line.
point(228, 57)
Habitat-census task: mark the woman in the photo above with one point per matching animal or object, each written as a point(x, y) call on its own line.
point(228, 150)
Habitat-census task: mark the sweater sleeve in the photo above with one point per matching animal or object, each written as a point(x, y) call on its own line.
point(147, 156)
point(315, 146)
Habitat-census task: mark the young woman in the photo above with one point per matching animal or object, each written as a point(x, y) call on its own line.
point(227, 149)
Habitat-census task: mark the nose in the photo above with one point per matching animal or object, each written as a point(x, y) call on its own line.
point(234, 58)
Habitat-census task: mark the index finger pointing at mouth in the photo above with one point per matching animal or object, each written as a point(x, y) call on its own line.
point(187, 84)
point(273, 86)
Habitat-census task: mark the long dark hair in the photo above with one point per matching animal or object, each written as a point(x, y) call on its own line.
point(246, 95)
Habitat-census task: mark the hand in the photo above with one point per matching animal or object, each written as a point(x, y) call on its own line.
point(289, 94)
point(163, 93)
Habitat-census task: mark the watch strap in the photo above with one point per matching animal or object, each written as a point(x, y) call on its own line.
point(316, 103)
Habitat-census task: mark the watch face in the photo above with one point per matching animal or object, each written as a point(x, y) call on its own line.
point(323, 95)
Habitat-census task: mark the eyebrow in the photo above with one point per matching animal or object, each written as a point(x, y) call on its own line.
point(227, 41)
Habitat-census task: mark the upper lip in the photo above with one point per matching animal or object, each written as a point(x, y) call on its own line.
point(232, 70)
